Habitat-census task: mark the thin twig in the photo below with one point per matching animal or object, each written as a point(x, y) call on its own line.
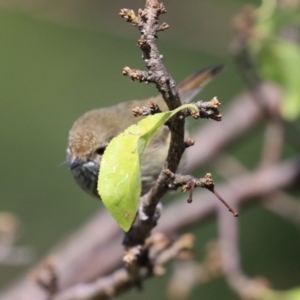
point(146, 21)
point(188, 182)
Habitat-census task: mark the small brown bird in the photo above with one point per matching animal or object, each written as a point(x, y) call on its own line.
point(92, 132)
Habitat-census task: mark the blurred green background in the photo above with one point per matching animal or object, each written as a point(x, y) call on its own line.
point(61, 58)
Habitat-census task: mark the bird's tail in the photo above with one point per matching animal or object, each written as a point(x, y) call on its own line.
point(193, 84)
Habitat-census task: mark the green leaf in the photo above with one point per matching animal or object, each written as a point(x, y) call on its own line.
point(272, 19)
point(279, 61)
point(293, 294)
point(119, 181)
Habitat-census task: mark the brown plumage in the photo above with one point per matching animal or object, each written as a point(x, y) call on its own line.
point(92, 132)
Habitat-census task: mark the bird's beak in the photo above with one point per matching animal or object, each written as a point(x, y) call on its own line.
point(75, 163)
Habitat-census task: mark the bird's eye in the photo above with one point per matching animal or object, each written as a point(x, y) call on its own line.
point(100, 151)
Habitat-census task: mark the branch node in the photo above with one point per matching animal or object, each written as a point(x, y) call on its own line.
point(188, 183)
point(159, 270)
point(189, 143)
point(129, 15)
point(46, 275)
point(133, 74)
point(207, 110)
point(146, 111)
point(143, 44)
point(160, 9)
point(140, 111)
point(163, 26)
point(187, 241)
point(132, 255)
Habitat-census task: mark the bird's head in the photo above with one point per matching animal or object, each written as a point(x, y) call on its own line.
point(84, 148)
point(88, 139)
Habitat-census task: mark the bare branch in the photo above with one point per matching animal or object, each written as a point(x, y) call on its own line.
point(123, 279)
point(147, 22)
point(89, 255)
point(89, 245)
point(230, 256)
